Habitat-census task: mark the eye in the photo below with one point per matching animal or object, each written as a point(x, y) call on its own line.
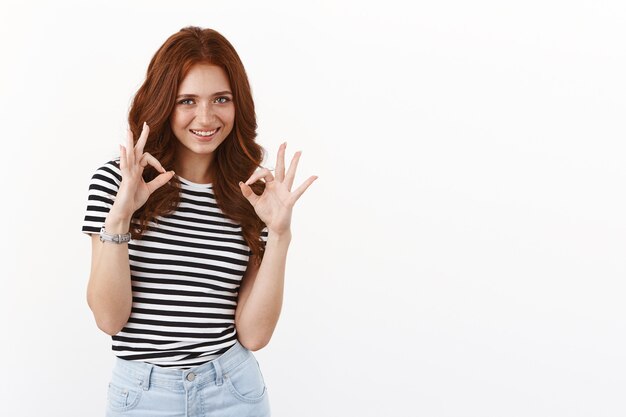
point(222, 100)
point(186, 101)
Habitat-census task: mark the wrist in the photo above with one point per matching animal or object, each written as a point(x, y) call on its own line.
point(284, 236)
point(116, 223)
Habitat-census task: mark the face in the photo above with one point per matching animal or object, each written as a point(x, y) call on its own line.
point(204, 113)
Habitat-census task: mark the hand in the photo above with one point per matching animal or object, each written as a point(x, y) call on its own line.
point(134, 191)
point(274, 206)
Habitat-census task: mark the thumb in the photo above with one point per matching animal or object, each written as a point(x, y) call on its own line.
point(248, 193)
point(159, 181)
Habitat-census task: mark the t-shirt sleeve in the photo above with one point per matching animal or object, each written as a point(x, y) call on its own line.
point(102, 191)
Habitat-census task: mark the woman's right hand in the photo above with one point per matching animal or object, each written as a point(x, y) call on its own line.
point(134, 191)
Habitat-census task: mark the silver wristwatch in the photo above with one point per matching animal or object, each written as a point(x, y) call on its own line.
point(114, 238)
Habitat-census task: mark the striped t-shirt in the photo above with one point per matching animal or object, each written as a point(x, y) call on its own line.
point(185, 272)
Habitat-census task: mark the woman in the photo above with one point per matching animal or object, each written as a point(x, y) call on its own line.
point(188, 261)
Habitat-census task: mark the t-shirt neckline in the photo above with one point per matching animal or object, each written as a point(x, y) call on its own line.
point(194, 184)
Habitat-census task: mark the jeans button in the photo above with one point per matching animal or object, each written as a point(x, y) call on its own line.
point(191, 376)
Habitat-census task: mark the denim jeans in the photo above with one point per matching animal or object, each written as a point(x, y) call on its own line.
point(230, 385)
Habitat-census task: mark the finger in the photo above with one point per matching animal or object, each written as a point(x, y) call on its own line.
point(146, 159)
point(295, 195)
point(130, 155)
point(143, 138)
point(262, 173)
point(291, 173)
point(159, 181)
point(280, 163)
point(123, 163)
point(248, 193)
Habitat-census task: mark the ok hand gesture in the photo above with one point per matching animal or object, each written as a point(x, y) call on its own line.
point(275, 205)
point(134, 191)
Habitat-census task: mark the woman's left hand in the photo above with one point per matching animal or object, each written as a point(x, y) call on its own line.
point(274, 206)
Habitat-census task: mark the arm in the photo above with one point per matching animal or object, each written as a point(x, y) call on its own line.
point(261, 294)
point(109, 292)
point(261, 290)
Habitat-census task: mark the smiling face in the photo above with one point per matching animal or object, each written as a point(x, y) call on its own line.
point(204, 114)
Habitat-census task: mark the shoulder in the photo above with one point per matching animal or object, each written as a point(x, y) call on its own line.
point(109, 172)
point(106, 178)
point(103, 187)
point(111, 168)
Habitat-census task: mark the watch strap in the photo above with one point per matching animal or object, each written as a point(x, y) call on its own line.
point(118, 238)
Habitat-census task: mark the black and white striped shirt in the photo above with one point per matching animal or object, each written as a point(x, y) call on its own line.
point(185, 273)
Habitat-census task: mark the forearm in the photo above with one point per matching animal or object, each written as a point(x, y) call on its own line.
point(261, 311)
point(109, 292)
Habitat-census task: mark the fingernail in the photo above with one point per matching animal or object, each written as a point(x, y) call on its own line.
point(240, 182)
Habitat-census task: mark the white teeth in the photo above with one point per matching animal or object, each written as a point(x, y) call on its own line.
point(201, 133)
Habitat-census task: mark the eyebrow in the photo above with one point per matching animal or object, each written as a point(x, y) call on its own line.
point(219, 93)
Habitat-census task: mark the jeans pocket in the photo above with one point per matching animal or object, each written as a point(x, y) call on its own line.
point(246, 381)
point(122, 398)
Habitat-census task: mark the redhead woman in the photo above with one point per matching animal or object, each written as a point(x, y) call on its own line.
point(189, 239)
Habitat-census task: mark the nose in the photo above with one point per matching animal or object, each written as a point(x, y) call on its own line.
point(205, 114)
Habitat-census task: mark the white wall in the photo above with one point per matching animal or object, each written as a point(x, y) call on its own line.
point(461, 254)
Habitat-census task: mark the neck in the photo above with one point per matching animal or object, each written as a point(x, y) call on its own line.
point(195, 168)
